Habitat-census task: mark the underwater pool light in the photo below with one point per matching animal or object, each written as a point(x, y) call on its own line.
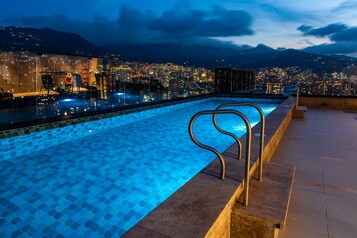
point(68, 100)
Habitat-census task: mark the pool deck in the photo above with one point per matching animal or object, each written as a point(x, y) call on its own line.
point(323, 147)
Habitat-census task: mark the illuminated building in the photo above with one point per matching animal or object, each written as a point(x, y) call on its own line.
point(232, 80)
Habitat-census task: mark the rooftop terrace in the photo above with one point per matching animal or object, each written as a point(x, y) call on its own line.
point(323, 147)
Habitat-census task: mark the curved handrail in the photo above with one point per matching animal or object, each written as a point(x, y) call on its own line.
point(221, 159)
point(262, 130)
point(239, 144)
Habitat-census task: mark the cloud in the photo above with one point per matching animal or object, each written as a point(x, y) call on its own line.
point(226, 23)
point(216, 23)
point(304, 28)
point(306, 41)
point(349, 34)
point(346, 6)
point(134, 26)
point(322, 31)
point(284, 14)
point(343, 37)
point(178, 21)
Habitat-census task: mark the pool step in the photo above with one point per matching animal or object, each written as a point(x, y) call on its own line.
point(268, 204)
point(299, 112)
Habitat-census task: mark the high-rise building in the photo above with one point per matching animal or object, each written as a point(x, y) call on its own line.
point(273, 87)
point(232, 80)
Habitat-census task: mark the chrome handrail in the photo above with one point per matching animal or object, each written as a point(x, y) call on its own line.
point(262, 130)
point(239, 144)
point(221, 159)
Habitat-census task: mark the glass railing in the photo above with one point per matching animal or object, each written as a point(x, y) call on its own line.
point(35, 86)
point(41, 86)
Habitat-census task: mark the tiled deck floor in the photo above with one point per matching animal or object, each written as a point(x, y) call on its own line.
point(323, 147)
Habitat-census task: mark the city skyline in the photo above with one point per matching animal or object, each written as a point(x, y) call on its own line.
point(325, 27)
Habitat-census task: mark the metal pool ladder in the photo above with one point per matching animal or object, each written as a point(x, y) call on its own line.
point(262, 130)
point(221, 159)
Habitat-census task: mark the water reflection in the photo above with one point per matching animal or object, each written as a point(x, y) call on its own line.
point(51, 106)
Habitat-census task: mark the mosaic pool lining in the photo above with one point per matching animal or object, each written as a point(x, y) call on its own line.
point(107, 176)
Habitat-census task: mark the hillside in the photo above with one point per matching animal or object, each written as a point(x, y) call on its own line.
point(45, 41)
point(57, 42)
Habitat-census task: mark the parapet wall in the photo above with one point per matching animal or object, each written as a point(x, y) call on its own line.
point(339, 103)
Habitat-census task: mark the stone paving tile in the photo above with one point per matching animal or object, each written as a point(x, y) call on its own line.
point(307, 165)
point(341, 230)
point(308, 202)
point(302, 146)
point(308, 181)
point(324, 197)
point(337, 191)
point(335, 140)
point(339, 169)
point(341, 209)
point(341, 184)
point(295, 232)
point(311, 223)
point(339, 152)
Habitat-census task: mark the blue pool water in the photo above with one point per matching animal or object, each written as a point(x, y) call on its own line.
point(98, 179)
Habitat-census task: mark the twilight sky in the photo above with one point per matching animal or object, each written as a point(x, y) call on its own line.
point(320, 26)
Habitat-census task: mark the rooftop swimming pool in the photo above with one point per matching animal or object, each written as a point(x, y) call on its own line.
point(98, 179)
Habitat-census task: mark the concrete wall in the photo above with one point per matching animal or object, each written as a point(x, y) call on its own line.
point(340, 103)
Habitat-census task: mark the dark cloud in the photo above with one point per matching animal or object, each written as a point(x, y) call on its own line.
point(349, 34)
point(216, 23)
point(178, 21)
point(344, 39)
point(322, 31)
point(304, 28)
point(224, 22)
point(134, 26)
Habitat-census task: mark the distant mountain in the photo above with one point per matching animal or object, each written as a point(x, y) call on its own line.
point(267, 57)
point(45, 41)
point(208, 56)
point(57, 42)
point(194, 55)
